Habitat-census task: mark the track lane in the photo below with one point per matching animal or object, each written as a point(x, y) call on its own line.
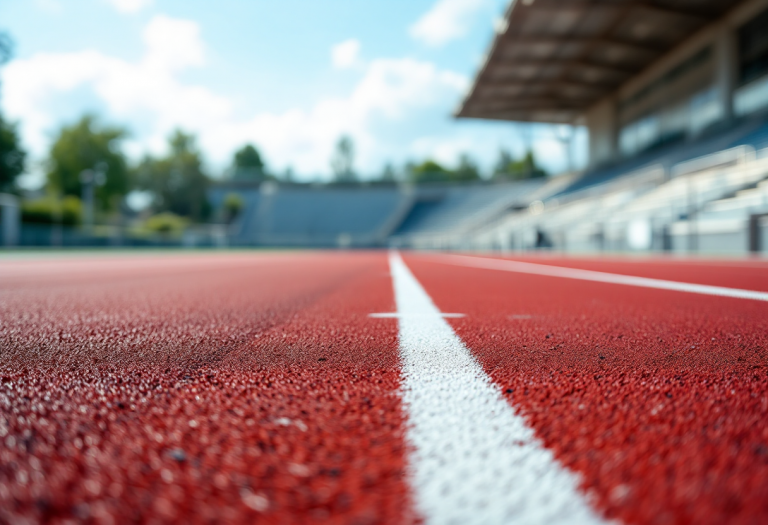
point(224, 392)
point(657, 398)
point(746, 275)
point(473, 460)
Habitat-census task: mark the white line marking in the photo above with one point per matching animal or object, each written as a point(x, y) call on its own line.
point(397, 315)
point(473, 459)
point(602, 277)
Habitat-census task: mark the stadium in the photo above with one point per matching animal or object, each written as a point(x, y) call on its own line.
point(674, 97)
point(581, 348)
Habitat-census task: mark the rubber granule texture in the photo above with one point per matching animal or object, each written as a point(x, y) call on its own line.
point(658, 399)
point(201, 389)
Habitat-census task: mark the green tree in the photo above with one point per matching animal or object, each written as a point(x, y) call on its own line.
point(12, 156)
point(166, 224)
point(467, 170)
point(501, 169)
point(6, 47)
point(87, 145)
point(526, 168)
point(409, 169)
point(49, 210)
point(233, 205)
point(388, 174)
point(248, 165)
point(177, 181)
point(509, 168)
point(342, 162)
point(430, 171)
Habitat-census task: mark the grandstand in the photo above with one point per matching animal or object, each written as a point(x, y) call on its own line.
point(706, 205)
point(316, 216)
point(675, 100)
point(365, 216)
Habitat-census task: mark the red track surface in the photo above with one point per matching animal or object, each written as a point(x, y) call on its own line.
point(659, 398)
point(205, 388)
point(232, 388)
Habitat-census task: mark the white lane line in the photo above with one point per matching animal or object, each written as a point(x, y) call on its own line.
point(602, 277)
point(397, 315)
point(473, 459)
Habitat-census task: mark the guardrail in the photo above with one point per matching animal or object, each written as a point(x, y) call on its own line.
point(724, 158)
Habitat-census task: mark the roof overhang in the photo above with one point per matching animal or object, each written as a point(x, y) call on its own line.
point(553, 59)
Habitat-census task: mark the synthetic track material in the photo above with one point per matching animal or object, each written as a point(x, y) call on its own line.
point(256, 387)
point(657, 398)
point(201, 389)
point(474, 460)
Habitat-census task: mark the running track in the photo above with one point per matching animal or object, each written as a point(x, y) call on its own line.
point(259, 388)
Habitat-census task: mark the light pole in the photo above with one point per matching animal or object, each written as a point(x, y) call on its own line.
point(90, 179)
point(564, 134)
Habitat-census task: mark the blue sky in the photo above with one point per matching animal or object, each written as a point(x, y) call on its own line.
point(289, 76)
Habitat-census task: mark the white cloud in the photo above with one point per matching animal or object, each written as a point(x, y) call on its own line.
point(130, 6)
point(389, 90)
point(447, 20)
point(173, 44)
point(150, 99)
point(345, 55)
point(128, 90)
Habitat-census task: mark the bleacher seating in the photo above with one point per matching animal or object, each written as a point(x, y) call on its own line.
point(302, 215)
point(753, 133)
point(703, 204)
point(701, 195)
point(451, 208)
point(363, 216)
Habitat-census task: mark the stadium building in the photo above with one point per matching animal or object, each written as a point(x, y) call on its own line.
point(637, 74)
point(660, 87)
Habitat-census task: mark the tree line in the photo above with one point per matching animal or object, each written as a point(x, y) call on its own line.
point(91, 152)
point(178, 180)
point(506, 168)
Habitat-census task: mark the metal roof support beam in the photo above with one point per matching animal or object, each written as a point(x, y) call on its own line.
point(530, 104)
point(568, 84)
point(693, 15)
point(584, 64)
point(645, 48)
point(556, 6)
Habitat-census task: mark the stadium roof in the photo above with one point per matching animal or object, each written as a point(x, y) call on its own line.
point(556, 58)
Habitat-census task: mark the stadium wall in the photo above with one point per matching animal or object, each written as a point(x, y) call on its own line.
point(696, 86)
